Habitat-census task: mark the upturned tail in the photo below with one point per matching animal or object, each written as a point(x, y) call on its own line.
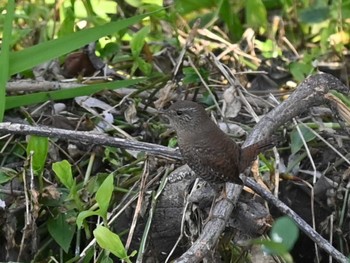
point(249, 153)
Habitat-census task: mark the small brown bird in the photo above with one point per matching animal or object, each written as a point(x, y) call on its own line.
point(207, 150)
point(76, 64)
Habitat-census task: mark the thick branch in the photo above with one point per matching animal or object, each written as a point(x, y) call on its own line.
point(309, 93)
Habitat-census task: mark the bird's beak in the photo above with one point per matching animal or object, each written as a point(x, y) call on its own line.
point(164, 114)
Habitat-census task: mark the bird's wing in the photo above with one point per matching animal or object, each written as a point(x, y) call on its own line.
point(223, 160)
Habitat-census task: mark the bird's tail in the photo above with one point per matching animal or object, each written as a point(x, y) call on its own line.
point(249, 153)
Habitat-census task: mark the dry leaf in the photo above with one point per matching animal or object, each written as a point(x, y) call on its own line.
point(130, 114)
point(343, 110)
point(165, 95)
point(51, 192)
point(232, 103)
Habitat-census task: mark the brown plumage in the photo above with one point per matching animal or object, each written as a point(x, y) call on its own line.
point(207, 150)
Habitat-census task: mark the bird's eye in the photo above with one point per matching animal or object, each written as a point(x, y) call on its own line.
point(179, 112)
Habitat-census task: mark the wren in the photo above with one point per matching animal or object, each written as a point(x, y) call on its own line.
point(206, 149)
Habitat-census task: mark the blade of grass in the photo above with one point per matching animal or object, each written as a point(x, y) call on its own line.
point(30, 57)
point(17, 101)
point(4, 56)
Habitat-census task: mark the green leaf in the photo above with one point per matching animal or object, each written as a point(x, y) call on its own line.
point(269, 48)
point(82, 215)
point(296, 142)
point(172, 143)
point(285, 231)
point(6, 174)
point(187, 6)
point(104, 194)
point(106, 259)
point(145, 67)
point(61, 231)
point(138, 41)
point(5, 53)
point(67, 25)
point(63, 171)
point(300, 70)
point(233, 23)
point(256, 15)
point(314, 15)
point(39, 147)
point(191, 75)
point(110, 241)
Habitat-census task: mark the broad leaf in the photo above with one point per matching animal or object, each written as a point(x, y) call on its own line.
point(296, 142)
point(63, 171)
point(285, 231)
point(110, 241)
point(83, 215)
point(104, 194)
point(61, 231)
point(39, 147)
